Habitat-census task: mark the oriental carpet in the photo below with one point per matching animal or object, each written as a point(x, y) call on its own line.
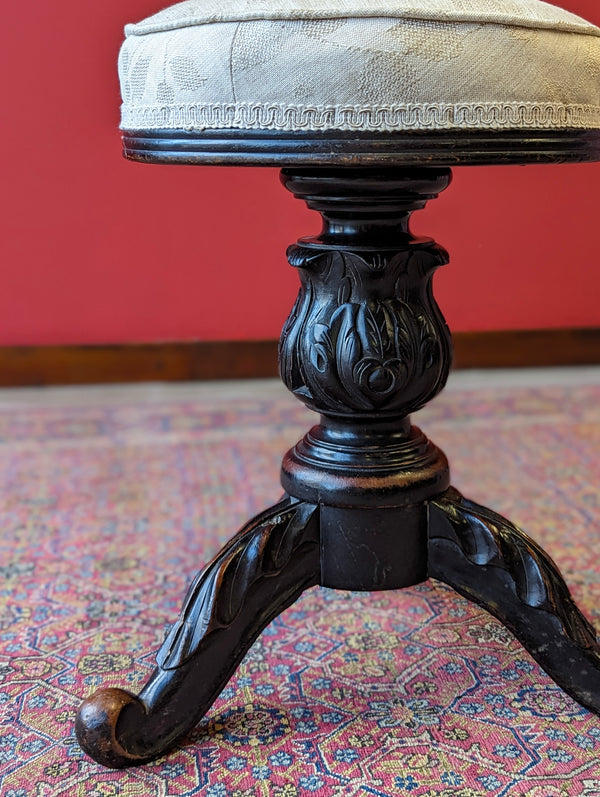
point(112, 498)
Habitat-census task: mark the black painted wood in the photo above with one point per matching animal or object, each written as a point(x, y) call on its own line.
point(492, 562)
point(369, 504)
point(337, 148)
point(257, 575)
point(365, 344)
point(375, 548)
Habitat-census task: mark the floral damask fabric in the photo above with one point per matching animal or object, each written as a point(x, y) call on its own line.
point(360, 65)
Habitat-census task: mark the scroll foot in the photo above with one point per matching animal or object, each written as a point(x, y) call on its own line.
point(96, 725)
point(257, 575)
point(489, 560)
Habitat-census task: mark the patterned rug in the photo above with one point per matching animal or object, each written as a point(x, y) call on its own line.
point(109, 504)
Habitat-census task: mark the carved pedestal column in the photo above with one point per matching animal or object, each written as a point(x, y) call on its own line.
point(366, 345)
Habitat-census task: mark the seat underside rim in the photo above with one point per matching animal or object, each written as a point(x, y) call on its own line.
point(342, 148)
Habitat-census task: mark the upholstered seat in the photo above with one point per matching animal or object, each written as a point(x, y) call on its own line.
point(369, 65)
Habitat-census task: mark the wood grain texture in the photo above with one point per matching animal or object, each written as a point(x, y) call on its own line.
point(250, 359)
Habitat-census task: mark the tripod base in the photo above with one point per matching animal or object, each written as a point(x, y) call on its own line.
point(365, 345)
point(267, 566)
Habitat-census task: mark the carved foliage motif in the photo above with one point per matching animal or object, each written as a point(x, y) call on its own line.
point(506, 555)
point(365, 334)
point(222, 591)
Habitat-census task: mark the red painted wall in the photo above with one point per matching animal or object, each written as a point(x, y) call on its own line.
point(95, 249)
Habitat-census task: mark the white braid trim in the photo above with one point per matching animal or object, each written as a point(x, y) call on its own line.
point(430, 116)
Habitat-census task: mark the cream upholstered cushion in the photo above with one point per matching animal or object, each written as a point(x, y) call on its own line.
point(376, 65)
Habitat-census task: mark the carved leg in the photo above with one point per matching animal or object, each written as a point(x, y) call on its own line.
point(365, 345)
point(257, 575)
point(487, 559)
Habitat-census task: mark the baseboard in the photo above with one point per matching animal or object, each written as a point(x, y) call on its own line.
point(528, 348)
point(166, 362)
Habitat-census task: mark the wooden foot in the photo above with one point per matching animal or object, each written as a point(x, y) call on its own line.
point(489, 560)
point(257, 575)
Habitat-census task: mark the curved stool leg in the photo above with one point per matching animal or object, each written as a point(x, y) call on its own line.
point(489, 560)
point(257, 575)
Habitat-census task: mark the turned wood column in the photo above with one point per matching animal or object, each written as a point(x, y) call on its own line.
point(365, 345)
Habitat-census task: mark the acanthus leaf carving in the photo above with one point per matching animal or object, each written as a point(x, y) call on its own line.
point(506, 557)
point(354, 341)
point(264, 548)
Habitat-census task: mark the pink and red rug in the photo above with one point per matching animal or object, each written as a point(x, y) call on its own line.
point(108, 507)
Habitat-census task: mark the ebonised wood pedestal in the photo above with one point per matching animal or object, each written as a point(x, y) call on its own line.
point(368, 503)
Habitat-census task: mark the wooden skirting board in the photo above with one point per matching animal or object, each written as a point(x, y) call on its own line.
point(165, 362)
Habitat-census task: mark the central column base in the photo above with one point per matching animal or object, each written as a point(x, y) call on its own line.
point(372, 482)
point(374, 549)
point(375, 464)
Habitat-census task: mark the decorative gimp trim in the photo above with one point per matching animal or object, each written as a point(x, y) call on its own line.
point(430, 116)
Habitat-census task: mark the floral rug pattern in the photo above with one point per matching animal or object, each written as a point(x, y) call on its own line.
point(107, 511)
